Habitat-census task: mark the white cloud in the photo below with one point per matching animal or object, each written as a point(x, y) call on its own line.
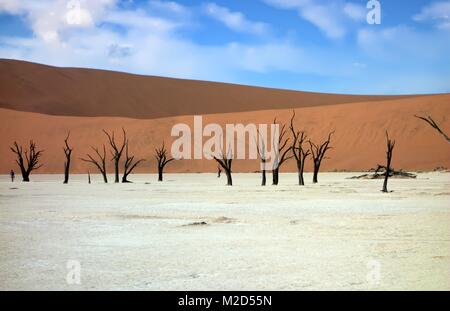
point(139, 19)
point(149, 44)
point(405, 45)
point(288, 4)
point(355, 11)
point(171, 6)
point(436, 12)
point(49, 19)
point(444, 25)
point(145, 42)
point(359, 65)
point(235, 20)
point(324, 17)
point(331, 17)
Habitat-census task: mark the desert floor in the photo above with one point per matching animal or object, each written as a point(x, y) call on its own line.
point(339, 234)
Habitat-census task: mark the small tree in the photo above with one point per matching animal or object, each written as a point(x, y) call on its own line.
point(318, 154)
point(283, 150)
point(27, 160)
point(262, 155)
point(298, 150)
point(129, 165)
point(390, 147)
point(161, 157)
point(100, 163)
point(225, 162)
point(116, 151)
point(434, 125)
point(68, 154)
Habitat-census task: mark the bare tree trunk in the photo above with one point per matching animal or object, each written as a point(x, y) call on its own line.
point(281, 154)
point(275, 176)
point(390, 148)
point(385, 189)
point(318, 154)
point(116, 171)
point(105, 178)
point(302, 169)
point(229, 179)
point(160, 174)
point(301, 182)
point(25, 177)
point(89, 178)
point(161, 157)
point(66, 171)
point(129, 164)
point(68, 154)
point(262, 154)
point(300, 154)
point(264, 179)
point(116, 151)
point(316, 173)
point(225, 162)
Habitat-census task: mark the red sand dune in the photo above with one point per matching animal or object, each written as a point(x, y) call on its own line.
point(86, 92)
point(359, 142)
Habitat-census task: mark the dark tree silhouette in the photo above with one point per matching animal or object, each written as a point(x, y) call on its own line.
point(116, 151)
point(27, 160)
point(318, 154)
point(129, 164)
point(161, 157)
point(262, 155)
point(100, 163)
point(68, 154)
point(390, 147)
point(225, 162)
point(89, 177)
point(298, 150)
point(283, 150)
point(434, 125)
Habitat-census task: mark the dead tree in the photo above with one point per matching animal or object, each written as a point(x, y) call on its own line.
point(263, 156)
point(298, 150)
point(68, 154)
point(129, 164)
point(380, 172)
point(116, 151)
point(390, 147)
point(318, 154)
point(100, 163)
point(225, 162)
point(161, 157)
point(27, 160)
point(434, 125)
point(283, 150)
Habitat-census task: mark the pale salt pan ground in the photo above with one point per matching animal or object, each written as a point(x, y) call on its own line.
point(334, 235)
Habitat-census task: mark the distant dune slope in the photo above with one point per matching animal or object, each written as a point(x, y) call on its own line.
point(359, 142)
point(50, 90)
point(43, 103)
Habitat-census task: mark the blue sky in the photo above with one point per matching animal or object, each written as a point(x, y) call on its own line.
point(311, 45)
